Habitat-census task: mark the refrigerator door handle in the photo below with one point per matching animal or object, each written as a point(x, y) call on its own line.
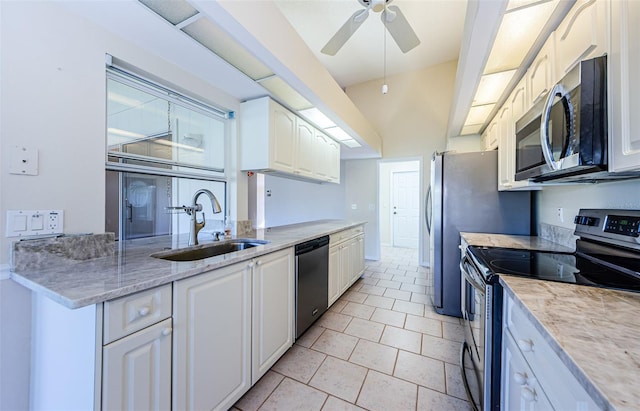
point(427, 210)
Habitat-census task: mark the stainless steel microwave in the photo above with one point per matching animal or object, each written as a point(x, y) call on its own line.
point(564, 136)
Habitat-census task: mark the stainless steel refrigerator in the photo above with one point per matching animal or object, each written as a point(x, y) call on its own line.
point(464, 196)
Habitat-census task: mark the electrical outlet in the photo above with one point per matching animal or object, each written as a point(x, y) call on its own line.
point(32, 223)
point(54, 221)
point(560, 213)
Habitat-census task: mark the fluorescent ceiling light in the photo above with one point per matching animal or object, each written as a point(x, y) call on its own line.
point(284, 92)
point(338, 133)
point(471, 129)
point(479, 114)
point(492, 86)
point(517, 34)
point(351, 143)
point(174, 11)
point(213, 38)
point(316, 117)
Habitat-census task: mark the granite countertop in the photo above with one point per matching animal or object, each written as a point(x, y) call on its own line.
point(594, 331)
point(130, 269)
point(513, 241)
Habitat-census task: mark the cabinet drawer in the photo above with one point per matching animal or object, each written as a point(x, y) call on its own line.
point(561, 386)
point(129, 314)
point(340, 236)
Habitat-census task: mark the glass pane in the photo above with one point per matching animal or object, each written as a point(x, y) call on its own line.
point(143, 124)
point(137, 205)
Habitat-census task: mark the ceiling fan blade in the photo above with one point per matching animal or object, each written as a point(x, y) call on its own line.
point(399, 28)
point(346, 31)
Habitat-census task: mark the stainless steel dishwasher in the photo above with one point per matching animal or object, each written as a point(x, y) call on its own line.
point(312, 282)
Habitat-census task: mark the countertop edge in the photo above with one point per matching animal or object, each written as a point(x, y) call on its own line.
point(212, 264)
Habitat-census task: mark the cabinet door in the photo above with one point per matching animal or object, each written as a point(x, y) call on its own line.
point(505, 148)
point(334, 274)
point(321, 156)
point(356, 256)
point(345, 266)
point(136, 372)
point(333, 161)
point(282, 146)
point(581, 35)
point(490, 138)
point(520, 388)
point(211, 349)
point(624, 83)
point(541, 73)
point(304, 157)
point(273, 308)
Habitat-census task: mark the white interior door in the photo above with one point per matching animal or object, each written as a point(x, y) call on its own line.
point(405, 208)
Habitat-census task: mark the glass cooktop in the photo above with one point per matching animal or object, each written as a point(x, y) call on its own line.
point(553, 266)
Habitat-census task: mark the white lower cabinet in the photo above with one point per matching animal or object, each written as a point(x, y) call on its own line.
point(520, 388)
point(533, 375)
point(273, 308)
point(136, 371)
point(346, 261)
point(211, 351)
point(231, 325)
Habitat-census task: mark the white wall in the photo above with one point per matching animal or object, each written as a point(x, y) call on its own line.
point(465, 144)
point(291, 201)
point(361, 196)
point(53, 99)
point(571, 198)
point(411, 118)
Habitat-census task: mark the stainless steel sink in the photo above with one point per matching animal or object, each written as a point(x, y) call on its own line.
point(208, 250)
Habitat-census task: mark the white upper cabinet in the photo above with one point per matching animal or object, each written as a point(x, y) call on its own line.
point(490, 136)
point(624, 87)
point(304, 155)
point(582, 34)
point(515, 106)
point(541, 73)
point(274, 140)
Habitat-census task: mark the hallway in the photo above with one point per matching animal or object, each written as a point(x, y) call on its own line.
point(381, 346)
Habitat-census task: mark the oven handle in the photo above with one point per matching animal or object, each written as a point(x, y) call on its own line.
point(471, 274)
point(463, 370)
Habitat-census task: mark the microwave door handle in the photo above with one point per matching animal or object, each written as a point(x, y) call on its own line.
point(545, 142)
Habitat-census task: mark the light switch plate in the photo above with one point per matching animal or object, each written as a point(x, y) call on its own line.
point(33, 223)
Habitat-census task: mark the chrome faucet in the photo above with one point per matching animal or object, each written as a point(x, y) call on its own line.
point(196, 226)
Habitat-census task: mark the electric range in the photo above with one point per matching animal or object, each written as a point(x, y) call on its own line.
point(607, 255)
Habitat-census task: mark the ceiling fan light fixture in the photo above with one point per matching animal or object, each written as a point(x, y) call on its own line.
point(377, 5)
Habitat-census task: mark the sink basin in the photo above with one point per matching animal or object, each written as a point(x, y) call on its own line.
point(208, 250)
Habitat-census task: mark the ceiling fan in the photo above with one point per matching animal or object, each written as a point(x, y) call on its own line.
point(391, 16)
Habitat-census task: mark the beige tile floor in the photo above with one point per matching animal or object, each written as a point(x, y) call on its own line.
point(381, 346)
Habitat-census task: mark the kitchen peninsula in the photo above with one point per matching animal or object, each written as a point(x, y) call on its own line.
point(224, 320)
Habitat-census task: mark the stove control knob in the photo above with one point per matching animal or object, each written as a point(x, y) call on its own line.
point(520, 378)
point(528, 394)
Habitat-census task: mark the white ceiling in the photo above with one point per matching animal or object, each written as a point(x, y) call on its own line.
point(438, 24)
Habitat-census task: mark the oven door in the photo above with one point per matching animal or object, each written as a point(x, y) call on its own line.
point(472, 356)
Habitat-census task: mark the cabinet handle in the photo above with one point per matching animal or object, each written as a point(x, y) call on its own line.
point(144, 311)
point(167, 331)
point(258, 262)
point(251, 264)
point(520, 378)
point(525, 345)
point(528, 394)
